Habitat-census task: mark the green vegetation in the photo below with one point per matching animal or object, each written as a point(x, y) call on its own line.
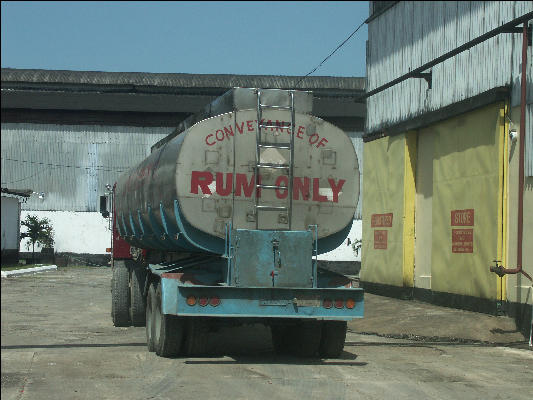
point(38, 231)
point(356, 246)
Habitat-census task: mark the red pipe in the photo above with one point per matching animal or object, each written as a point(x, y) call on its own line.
point(500, 270)
point(522, 151)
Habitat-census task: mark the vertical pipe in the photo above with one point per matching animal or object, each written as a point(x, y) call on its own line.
point(257, 157)
point(522, 149)
point(500, 270)
point(291, 158)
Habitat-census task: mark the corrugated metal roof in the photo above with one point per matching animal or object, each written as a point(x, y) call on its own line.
point(178, 79)
point(18, 192)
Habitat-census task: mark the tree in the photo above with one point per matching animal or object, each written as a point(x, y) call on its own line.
point(38, 231)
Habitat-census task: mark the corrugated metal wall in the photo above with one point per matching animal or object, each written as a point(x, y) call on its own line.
point(413, 33)
point(357, 140)
point(71, 164)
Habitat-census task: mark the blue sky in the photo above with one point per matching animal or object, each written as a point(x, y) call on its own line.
point(265, 38)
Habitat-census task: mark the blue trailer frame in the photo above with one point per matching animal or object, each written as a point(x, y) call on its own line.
point(207, 286)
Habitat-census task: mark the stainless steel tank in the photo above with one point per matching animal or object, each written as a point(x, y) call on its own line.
point(187, 192)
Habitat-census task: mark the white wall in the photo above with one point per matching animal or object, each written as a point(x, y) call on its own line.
point(344, 252)
point(10, 223)
point(75, 232)
point(88, 232)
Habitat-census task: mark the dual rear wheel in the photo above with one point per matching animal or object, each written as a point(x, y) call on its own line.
point(169, 335)
point(127, 300)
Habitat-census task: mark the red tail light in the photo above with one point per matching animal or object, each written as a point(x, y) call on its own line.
point(191, 300)
point(214, 301)
point(350, 303)
point(203, 301)
point(339, 303)
point(327, 303)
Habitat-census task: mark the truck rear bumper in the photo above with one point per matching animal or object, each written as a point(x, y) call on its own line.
point(224, 301)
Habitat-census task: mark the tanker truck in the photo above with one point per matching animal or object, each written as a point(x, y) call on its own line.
point(223, 222)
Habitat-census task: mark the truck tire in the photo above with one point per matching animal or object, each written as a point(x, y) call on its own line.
point(120, 294)
point(196, 336)
point(281, 338)
point(150, 305)
point(306, 338)
point(137, 300)
point(168, 335)
point(333, 338)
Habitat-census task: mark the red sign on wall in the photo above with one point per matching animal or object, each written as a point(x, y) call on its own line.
point(381, 220)
point(462, 217)
point(462, 240)
point(380, 239)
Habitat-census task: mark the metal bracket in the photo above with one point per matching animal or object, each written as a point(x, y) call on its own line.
point(427, 76)
point(519, 29)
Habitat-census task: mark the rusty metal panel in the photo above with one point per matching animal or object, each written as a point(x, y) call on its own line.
point(71, 164)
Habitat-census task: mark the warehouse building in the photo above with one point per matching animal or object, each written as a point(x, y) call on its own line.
point(449, 94)
point(68, 134)
point(10, 223)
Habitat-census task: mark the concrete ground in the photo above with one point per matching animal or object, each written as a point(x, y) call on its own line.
point(58, 342)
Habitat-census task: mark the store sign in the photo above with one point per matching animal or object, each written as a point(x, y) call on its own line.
point(462, 217)
point(380, 240)
point(380, 236)
point(462, 239)
point(381, 220)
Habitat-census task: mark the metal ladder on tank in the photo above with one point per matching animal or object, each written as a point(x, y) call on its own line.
point(259, 165)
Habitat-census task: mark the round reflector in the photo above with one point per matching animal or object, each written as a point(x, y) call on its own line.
point(214, 301)
point(339, 303)
point(203, 301)
point(350, 303)
point(327, 303)
point(191, 300)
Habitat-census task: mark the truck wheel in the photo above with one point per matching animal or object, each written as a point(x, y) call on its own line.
point(150, 305)
point(307, 337)
point(137, 300)
point(333, 337)
point(281, 338)
point(196, 337)
point(168, 330)
point(120, 294)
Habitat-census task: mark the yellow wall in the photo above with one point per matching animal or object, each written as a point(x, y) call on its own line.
point(457, 165)
point(466, 175)
point(518, 287)
point(383, 192)
point(424, 208)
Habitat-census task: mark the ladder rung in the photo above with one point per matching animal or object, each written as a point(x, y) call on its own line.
point(277, 107)
point(271, 208)
point(274, 145)
point(274, 166)
point(275, 126)
point(271, 186)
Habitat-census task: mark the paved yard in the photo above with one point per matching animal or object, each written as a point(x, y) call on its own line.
point(58, 342)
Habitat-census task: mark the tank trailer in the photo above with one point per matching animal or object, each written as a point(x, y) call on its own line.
point(223, 222)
